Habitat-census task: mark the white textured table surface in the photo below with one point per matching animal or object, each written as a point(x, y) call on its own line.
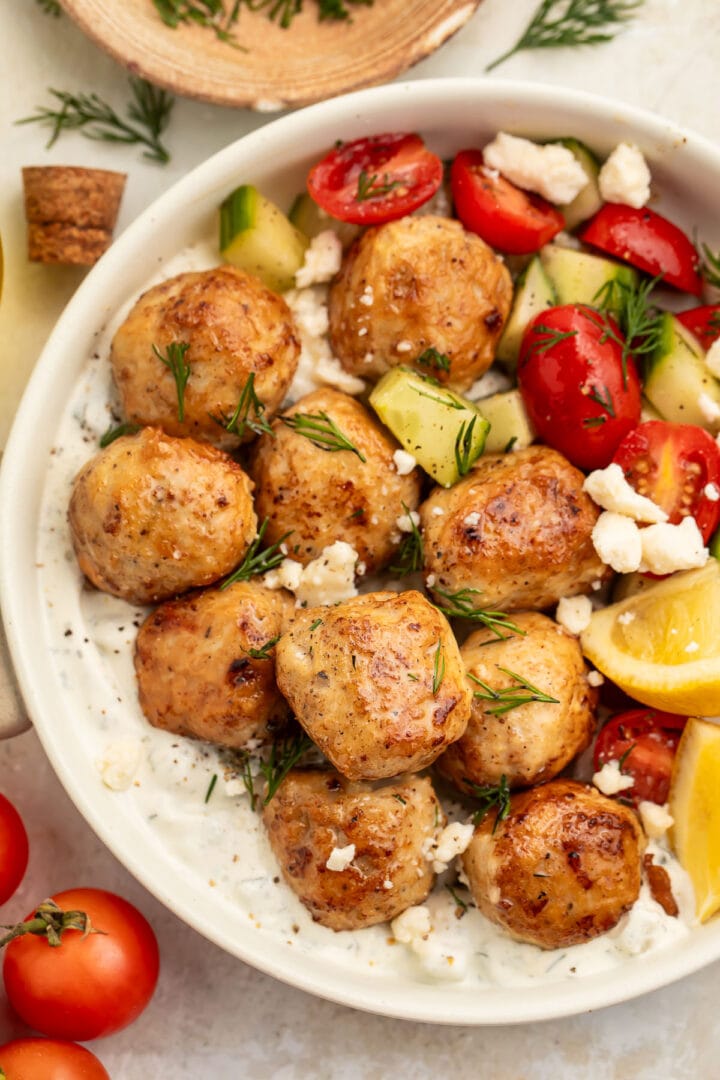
point(213, 1017)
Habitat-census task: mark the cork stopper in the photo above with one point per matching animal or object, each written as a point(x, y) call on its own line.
point(71, 212)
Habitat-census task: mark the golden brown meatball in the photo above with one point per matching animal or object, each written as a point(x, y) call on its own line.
point(196, 674)
point(517, 529)
point(315, 812)
point(534, 741)
point(235, 327)
point(152, 516)
point(561, 868)
point(377, 682)
point(324, 496)
point(415, 284)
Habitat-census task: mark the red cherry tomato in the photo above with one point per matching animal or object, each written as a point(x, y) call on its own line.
point(673, 464)
point(49, 1059)
point(703, 322)
point(376, 179)
point(89, 985)
point(646, 240)
point(13, 849)
point(645, 741)
point(570, 374)
point(506, 217)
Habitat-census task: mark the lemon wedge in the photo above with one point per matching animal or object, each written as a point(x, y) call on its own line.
point(695, 806)
point(662, 646)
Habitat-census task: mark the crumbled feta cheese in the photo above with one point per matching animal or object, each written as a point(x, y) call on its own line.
point(655, 819)
point(404, 462)
point(411, 925)
point(709, 408)
point(406, 521)
point(452, 841)
point(712, 359)
point(573, 613)
point(626, 618)
point(616, 539)
point(609, 489)
point(610, 780)
point(595, 678)
point(551, 170)
point(322, 260)
point(710, 491)
point(492, 382)
point(625, 177)
point(340, 858)
point(119, 763)
point(667, 548)
point(316, 366)
point(326, 580)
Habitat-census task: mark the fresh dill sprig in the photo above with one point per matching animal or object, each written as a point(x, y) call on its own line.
point(148, 114)
point(571, 23)
point(549, 338)
point(250, 413)
point(625, 756)
point(710, 265)
point(263, 653)
point(174, 360)
point(639, 321)
point(438, 669)
point(714, 322)
point(210, 13)
point(522, 693)
point(440, 399)
point(432, 358)
point(284, 755)
point(211, 787)
point(490, 795)
point(466, 454)
point(114, 433)
point(410, 554)
point(461, 905)
point(50, 7)
point(322, 432)
point(372, 187)
point(605, 402)
point(461, 605)
point(258, 560)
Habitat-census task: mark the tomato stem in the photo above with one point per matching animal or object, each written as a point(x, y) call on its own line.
point(50, 922)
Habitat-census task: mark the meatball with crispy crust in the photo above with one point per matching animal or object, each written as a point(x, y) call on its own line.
point(236, 329)
point(561, 868)
point(353, 854)
point(205, 664)
point(323, 495)
point(517, 530)
point(416, 284)
point(152, 516)
point(377, 682)
point(534, 741)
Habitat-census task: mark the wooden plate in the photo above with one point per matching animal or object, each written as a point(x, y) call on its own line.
point(274, 68)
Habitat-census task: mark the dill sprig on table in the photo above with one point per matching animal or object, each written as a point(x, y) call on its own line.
point(214, 14)
point(148, 114)
point(572, 22)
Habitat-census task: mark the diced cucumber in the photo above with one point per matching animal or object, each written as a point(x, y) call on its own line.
point(444, 432)
point(534, 293)
point(648, 411)
point(311, 219)
point(714, 545)
point(510, 426)
point(257, 237)
point(588, 201)
point(676, 376)
point(580, 278)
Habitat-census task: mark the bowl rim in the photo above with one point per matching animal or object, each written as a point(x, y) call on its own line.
point(394, 998)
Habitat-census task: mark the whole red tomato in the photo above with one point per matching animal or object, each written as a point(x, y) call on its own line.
point(49, 1059)
point(579, 386)
point(89, 985)
point(13, 849)
point(644, 741)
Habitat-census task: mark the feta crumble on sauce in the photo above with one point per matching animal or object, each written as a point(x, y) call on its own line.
point(210, 827)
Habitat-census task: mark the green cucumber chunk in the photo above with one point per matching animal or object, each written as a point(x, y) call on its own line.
point(510, 426)
point(443, 431)
point(676, 376)
point(534, 292)
point(311, 220)
point(714, 545)
point(589, 200)
point(257, 237)
point(580, 278)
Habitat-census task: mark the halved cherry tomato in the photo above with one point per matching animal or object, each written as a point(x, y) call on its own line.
point(13, 849)
point(703, 322)
point(49, 1059)
point(678, 467)
point(506, 217)
point(582, 396)
point(648, 241)
point(375, 179)
point(644, 741)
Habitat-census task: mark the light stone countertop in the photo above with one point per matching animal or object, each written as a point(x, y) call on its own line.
point(213, 1017)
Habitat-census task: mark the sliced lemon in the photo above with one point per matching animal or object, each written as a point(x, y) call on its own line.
point(695, 806)
point(662, 646)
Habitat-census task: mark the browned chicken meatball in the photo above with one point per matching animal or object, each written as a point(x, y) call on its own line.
point(377, 682)
point(561, 868)
point(530, 742)
point(415, 284)
point(382, 870)
point(205, 664)
point(152, 516)
point(517, 530)
point(236, 329)
point(322, 496)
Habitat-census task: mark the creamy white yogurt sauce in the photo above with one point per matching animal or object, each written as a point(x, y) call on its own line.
point(208, 826)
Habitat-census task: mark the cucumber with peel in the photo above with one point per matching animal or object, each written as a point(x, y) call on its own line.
point(257, 237)
point(580, 278)
point(311, 220)
point(589, 200)
point(677, 380)
point(510, 426)
point(534, 292)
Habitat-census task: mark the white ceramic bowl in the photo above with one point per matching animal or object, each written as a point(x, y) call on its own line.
point(451, 114)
